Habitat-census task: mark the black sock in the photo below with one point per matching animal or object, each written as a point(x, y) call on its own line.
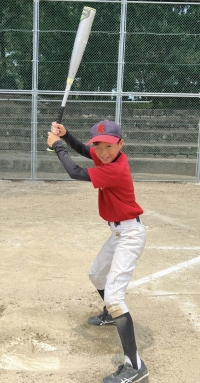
point(101, 293)
point(125, 329)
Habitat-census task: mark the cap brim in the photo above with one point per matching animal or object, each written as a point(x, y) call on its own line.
point(104, 138)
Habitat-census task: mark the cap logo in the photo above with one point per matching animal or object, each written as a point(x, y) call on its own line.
point(100, 128)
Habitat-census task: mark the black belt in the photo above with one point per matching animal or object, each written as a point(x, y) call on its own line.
point(118, 223)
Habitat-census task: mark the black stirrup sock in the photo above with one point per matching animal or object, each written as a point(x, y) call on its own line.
point(125, 329)
point(101, 293)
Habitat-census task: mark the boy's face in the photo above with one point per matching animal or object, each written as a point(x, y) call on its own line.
point(107, 152)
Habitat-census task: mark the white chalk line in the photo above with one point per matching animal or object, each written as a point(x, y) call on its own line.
point(162, 293)
point(36, 363)
point(162, 273)
point(165, 218)
point(173, 248)
point(12, 359)
point(191, 310)
point(187, 304)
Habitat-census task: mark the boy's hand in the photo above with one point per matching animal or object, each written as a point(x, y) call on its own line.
point(58, 129)
point(52, 138)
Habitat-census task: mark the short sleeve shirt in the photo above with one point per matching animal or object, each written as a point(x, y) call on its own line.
point(116, 197)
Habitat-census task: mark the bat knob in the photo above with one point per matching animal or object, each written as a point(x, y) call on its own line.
point(49, 149)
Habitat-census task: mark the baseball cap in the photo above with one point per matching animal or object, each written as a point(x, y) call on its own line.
point(105, 131)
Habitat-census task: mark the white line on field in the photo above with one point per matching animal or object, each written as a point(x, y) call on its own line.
point(165, 218)
point(35, 363)
point(162, 273)
point(186, 303)
point(173, 248)
point(191, 310)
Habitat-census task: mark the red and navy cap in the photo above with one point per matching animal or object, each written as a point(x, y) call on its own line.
point(105, 131)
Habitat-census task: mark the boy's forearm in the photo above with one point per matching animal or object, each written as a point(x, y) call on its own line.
point(74, 170)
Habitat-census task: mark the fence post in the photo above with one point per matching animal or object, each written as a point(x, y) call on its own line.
point(34, 87)
point(198, 157)
point(121, 58)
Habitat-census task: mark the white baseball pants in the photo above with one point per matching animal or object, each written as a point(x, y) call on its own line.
point(113, 267)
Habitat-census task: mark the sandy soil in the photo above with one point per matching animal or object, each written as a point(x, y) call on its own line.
point(49, 234)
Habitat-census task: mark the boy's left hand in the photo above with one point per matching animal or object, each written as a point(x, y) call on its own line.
point(52, 138)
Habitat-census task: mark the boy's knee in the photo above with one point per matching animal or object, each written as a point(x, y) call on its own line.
point(93, 278)
point(96, 281)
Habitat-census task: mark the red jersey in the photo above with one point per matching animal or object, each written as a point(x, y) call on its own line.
point(116, 198)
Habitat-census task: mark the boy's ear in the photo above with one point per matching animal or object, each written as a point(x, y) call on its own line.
point(121, 143)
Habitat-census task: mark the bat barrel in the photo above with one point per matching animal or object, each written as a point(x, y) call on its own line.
point(80, 42)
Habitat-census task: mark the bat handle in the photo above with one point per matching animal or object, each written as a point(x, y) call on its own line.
point(59, 119)
point(60, 114)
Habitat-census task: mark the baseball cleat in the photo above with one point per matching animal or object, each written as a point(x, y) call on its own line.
point(127, 374)
point(102, 319)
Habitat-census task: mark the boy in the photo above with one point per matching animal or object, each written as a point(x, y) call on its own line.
point(113, 267)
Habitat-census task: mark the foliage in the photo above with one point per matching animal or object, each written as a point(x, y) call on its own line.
point(162, 46)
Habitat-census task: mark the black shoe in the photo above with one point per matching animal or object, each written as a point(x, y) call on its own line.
point(127, 374)
point(102, 319)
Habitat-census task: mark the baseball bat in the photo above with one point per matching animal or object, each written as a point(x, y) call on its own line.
point(80, 43)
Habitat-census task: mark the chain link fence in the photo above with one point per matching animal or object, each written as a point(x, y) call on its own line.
point(140, 68)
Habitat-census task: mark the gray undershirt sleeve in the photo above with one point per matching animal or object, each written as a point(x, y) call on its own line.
point(74, 170)
point(76, 145)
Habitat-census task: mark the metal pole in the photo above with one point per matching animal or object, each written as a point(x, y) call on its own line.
point(121, 58)
point(34, 87)
point(198, 157)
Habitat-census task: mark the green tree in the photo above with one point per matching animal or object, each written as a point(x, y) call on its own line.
point(98, 69)
point(16, 44)
point(163, 48)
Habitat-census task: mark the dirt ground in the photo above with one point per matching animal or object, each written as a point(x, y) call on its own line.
point(49, 235)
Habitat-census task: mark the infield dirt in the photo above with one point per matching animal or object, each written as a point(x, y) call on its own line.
point(49, 235)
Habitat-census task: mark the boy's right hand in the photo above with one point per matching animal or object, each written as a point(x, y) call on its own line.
point(58, 129)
